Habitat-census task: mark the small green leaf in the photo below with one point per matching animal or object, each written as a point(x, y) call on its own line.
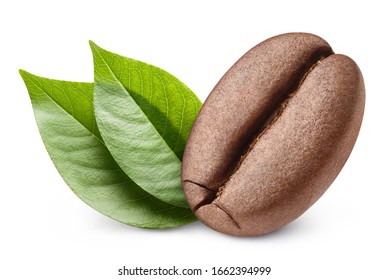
point(66, 121)
point(144, 115)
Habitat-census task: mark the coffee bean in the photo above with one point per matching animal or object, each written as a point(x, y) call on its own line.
point(273, 135)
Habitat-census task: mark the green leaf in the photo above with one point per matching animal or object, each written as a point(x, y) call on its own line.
point(66, 121)
point(144, 115)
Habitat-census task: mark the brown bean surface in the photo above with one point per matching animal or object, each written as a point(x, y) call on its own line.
point(272, 135)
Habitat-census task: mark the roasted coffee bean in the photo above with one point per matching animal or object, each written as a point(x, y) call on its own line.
point(273, 135)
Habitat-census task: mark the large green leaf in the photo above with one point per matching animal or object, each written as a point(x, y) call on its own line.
point(144, 115)
point(65, 117)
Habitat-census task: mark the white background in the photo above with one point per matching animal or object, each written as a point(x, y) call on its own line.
point(48, 233)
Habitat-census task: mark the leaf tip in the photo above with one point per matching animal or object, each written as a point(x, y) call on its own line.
point(91, 43)
point(24, 74)
point(94, 46)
